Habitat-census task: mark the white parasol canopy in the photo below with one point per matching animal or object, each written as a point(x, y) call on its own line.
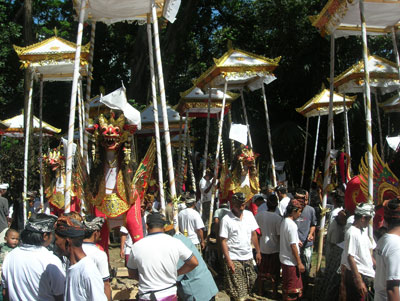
point(113, 11)
point(383, 76)
point(319, 104)
point(342, 17)
point(15, 127)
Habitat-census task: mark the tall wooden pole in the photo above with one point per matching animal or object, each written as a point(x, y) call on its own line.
point(316, 146)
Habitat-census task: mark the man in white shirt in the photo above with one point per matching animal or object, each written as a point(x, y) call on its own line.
point(205, 186)
point(92, 235)
point(270, 224)
point(283, 200)
point(84, 282)
point(356, 256)
point(292, 267)
point(154, 260)
point(387, 253)
point(237, 232)
point(191, 224)
point(30, 271)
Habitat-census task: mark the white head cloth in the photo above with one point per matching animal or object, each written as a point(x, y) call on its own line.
point(4, 186)
point(365, 209)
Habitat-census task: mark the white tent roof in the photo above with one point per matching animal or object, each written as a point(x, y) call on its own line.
point(383, 75)
point(319, 104)
point(112, 11)
point(147, 115)
point(392, 105)
point(15, 127)
point(342, 17)
point(240, 69)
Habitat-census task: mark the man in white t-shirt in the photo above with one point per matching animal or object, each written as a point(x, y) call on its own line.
point(270, 224)
point(284, 200)
point(154, 260)
point(84, 281)
point(92, 236)
point(30, 271)
point(237, 232)
point(205, 186)
point(387, 254)
point(356, 256)
point(292, 267)
point(191, 224)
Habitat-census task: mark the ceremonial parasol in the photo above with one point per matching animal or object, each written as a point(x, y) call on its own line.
point(383, 79)
point(344, 18)
point(239, 69)
point(319, 106)
point(112, 11)
point(49, 60)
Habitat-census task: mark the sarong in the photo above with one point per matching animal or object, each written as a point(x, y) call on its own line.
point(292, 286)
point(240, 283)
point(351, 289)
point(269, 267)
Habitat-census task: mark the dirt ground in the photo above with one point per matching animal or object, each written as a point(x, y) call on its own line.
point(124, 288)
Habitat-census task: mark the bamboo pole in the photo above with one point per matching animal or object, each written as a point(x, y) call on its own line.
point(207, 131)
point(80, 116)
point(379, 124)
point(271, 152)
point(245, 118)
point(217, 153)
point(167, 137)
point(316, 146)
point(180, 148)
point(305, 154)
point(346, 127)
point(26, 152)
point(88, 93)
point(232, 141)
point(41, 142)
point(67, 198)
point(327, 155)
point(155, 112)
point(368, 118)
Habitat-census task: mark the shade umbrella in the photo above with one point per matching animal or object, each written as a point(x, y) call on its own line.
point(358, 17)
point(49, 60)
point(112, 11)
point(237, 69)
point(383, 79)
point(14, 127)
point(319, 106)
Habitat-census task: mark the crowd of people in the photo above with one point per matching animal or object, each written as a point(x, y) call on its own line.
point(269, 239)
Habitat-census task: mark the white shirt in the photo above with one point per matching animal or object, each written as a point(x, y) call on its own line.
point(281, 209)
point(203, 185)
point(288, 236)
point(190, 221)
point(84, 282)
point(270, 225)
point(99, 257)
point(359, 246)
point(128, 242)
point(156, 258)
point(33, 273)
point(238, 234)
point(387, 254)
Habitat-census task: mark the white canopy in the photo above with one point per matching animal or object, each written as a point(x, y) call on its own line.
point(342, 17)
point(319, 104)
point(15, 127)
point(240, 69)
point(383, 75)
point(113, 11)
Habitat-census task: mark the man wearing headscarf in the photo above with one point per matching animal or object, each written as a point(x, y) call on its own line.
point(31, 271)
point(92, 235)
point(387, 277)
point(237, 233)
point(154, 260)
point(356, 257)
point(3, 211)
point(292, 267)
point(83, 280)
